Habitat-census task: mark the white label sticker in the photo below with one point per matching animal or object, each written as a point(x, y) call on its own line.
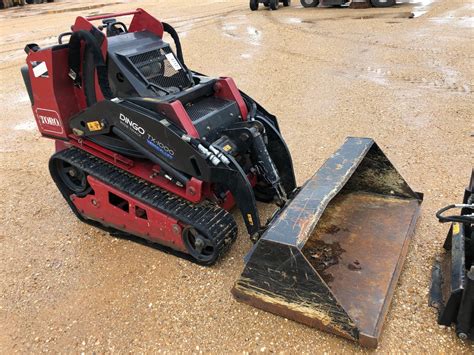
point(174, 63)
point(40, 69)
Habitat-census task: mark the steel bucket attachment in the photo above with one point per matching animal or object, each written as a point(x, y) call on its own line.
point(452, 278)
point(332, 257)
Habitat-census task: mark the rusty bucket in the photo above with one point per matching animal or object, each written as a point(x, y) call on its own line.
point(332, 256)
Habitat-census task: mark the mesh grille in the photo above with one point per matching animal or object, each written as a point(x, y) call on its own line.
point(205, 106)
point(156, 68)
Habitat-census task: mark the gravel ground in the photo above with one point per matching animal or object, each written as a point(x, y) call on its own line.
point(327, 74)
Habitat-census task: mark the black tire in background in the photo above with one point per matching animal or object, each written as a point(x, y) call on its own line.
point(253, 5)
point(383, 3)
point(309, 3)
point(274, 4)
point(286, 2)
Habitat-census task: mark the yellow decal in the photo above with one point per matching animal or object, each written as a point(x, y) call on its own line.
point(94, 126)
point(455, 228)
point(250, 219)
point(227, 148)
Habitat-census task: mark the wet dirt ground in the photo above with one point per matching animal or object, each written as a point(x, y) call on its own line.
point(326, 74)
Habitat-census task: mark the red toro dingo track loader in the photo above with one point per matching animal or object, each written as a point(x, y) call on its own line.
point(147, 147)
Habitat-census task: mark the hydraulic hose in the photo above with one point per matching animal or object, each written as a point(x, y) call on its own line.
point(461, 219)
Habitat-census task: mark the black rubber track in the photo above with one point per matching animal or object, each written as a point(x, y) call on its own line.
point(210, 220)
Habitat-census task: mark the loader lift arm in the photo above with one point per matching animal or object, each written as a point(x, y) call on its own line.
point(140, 128)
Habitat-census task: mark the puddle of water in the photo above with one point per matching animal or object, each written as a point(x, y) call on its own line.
point(184, 30)
point(235, 30)
point(293, 20)
point(22, 97)
point(357, 16)
point(255, 35)
point(421, 7)
point(458, 17)
point(25, 126)
point(451, 76)
point(376, 75)
point(229, 27)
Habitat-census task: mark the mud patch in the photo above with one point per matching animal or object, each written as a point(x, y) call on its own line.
point(324, 255)
point(354, 266)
